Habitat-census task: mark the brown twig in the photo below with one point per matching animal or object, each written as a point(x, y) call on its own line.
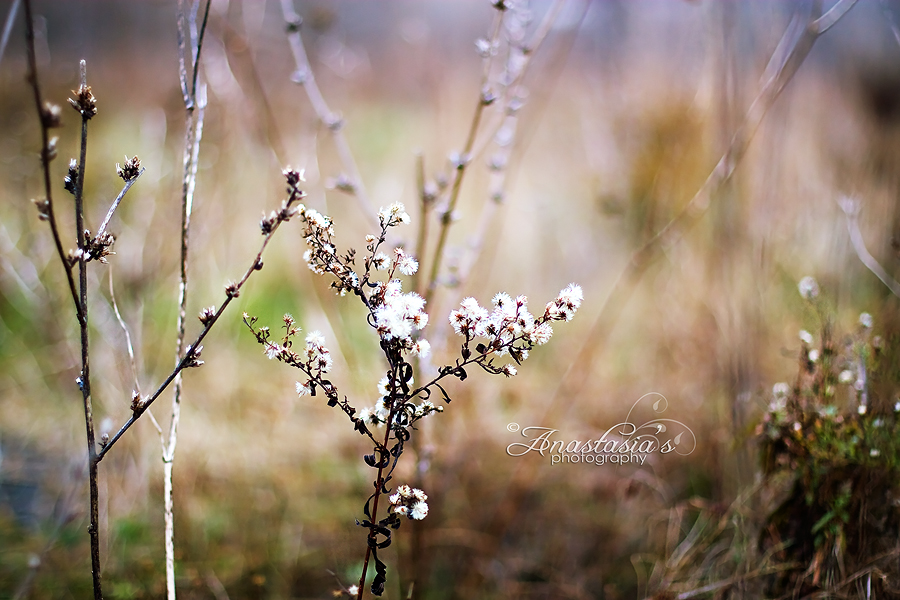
point(485, 98)
point(47, 154)
point(192, 352)
point(84, 380)
point(333, 122)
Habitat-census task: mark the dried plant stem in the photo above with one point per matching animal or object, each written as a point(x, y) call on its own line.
point(511, 119)
point(7, 27)
point(305, 77)
point(851, 212)
point(84, 381)
point(115, 204)
point(191, 353)
point(485, 98)
point(193, 133)
point(426, 201)
point(379, 484)
point(46, 155)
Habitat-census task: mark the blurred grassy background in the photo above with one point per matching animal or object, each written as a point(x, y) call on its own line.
point(627, 114)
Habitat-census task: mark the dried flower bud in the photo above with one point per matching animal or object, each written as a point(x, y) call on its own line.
point(85, 103)
point(193, 357)
point(232, 290)
point(207, 314)
point(300, 76)
point(71, 180)
point(98, 248)
point(43, 207)
point(267, 224)
point(51, 115)
point(808, 287)
point(488, 96)
point(50, 151)
point(75, 256)
point(130, 170)
point(293, 177)
point(104, 439)
point(136, 400)
point(459, 161)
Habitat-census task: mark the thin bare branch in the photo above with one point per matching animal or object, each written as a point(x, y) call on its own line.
point(304, 76)
point(182, 68)
point(199, 47)
point(7, 27)
point(191, 354)
point(485, 98)
point(115, 204)
point(834, 14)
point(45, 207)
point(851, 208)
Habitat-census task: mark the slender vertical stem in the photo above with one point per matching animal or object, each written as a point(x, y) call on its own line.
point(85, 378)
point(304, 76)
point(193, 133)
point(422, 235)
point(46, 155)
point(379, 481)
point(484, 99)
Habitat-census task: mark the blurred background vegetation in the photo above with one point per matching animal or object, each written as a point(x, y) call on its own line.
point(628, 111)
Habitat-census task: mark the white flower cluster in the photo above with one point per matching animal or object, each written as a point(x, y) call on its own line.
point(317, 355)
point(566, 303)
point(808, 288)
point(393, 215)
point(410, 502)
point(406, 264)
point(409, 412)
point(398, 315)
point(321, 256)
point(510, 327)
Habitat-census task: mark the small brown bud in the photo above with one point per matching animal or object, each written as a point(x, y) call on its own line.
point(51, 115)
point(43, 207)
point(207, 314)
point(86, 103)
point(71, 179)
point(130, 170)
point(193, 357)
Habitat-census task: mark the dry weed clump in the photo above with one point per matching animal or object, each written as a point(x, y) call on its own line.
point(823, 516)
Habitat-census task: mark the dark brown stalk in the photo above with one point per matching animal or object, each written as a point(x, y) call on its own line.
point(379, 481)
point(46, 155)
point(190, 355)
point(84, 381)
